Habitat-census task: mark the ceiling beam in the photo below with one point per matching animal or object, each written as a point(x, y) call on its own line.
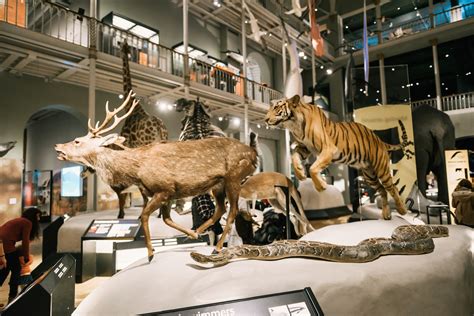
point(65, 74)
point(24, 62)
point(8, 62)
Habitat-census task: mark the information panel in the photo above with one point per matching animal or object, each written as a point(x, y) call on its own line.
point(300, 302)
point(113, 228)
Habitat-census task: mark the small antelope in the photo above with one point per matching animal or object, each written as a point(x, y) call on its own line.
point(166, 171)
point(263, 186)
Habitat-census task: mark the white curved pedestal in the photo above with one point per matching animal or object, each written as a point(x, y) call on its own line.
point(439, 283)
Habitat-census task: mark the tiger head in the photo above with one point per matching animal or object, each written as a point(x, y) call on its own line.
point(281, 111)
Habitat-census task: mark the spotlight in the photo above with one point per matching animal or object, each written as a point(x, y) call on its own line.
point(236, 122)
point(447, 55)
point(431, 66)
point(398, 8)
point(429, 95)
point(329, 71)
point(322, 67)
point(301, 54)
point(393, 69)
point(220, 118)
point(120, 96)
point(258, 126)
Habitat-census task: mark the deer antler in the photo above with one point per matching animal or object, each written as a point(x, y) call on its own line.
point(99, 130)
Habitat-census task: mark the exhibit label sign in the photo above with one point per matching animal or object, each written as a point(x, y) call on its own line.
point(112, 228)
point(386, 119)
point(300, 302)
point(457, 168)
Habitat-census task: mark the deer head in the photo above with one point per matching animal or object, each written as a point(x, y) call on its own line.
point(83, 149)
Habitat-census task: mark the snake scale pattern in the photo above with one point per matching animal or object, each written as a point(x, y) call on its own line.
point(405, 240)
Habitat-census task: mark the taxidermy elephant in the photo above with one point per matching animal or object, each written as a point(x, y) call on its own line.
point(434, 133)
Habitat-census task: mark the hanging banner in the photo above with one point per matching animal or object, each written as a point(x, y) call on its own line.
point(457, 168)
point(316, 39)
point(384, 120)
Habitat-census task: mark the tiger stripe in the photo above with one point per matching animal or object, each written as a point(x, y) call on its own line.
point(343, 142)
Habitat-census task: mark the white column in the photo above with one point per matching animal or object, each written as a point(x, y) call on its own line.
point(92, 179)
point(434, 45)
point(244, 74)
point(185, 45)
point(285, 159)
point(383, 86)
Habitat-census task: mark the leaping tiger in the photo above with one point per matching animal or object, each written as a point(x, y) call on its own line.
point(342, 142)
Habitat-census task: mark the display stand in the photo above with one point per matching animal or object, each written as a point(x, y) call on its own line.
point(50, 237)
point(97, 245)
point(439, 208)
point(51, 293)
point(286, 191)
point(300, 302)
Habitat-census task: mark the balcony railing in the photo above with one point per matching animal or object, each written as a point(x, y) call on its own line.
point(419, 24)
point(61, 23)
point(453, 102)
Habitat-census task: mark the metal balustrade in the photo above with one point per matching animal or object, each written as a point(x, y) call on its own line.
point(59, 22)
point(453, 102)
point(419, 24)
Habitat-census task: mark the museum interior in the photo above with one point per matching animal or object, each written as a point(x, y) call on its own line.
point(247, 157)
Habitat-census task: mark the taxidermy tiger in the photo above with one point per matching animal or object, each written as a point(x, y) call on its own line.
point(346, 142)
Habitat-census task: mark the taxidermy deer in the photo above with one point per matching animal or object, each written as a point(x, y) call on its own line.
point(262, 186)
point(166, 171)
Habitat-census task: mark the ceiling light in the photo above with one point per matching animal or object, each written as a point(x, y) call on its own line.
point(376, 100)
point(431, 66)
point(417, 13)
point(468, 73)
point(258, 126)
point(393, 69)
point(442, 83)
point(378, 91)
point(316, 9)
point(391, 24)
point(398, 8)
point(416, 8)
point(220, 118)
point(417, 83)
point(142, 31)
point(347, 26)
point(301, 54)
point(447, 55)
point(429, 95)
point(329, 71)
point(403, 87)
point(405, 100)
point(361, 90)
point(322, 67)
point(236, 122)
point(446, 88)
point(305, 57)
point(120, 96)
point(121, 22)
point(270, 34)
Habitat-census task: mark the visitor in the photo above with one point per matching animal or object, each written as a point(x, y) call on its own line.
point(463, 201)
point(24, 229)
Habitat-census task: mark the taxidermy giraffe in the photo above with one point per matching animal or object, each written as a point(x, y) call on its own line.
point(264, 186)
point(139, 128)
point(166, 171)
point(196, 124)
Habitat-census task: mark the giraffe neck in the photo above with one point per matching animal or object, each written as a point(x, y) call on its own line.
point(127, 79)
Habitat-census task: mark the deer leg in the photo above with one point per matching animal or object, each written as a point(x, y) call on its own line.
point(232, 193)
point(165, 211)
point(324, 159)
point(220, 210)
point(155, 202)
point(121, 198)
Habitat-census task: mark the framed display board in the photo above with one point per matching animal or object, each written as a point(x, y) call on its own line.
point(37, 188)
point(299, 302)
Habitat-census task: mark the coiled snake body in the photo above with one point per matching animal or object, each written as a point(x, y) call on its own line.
point(405, 240)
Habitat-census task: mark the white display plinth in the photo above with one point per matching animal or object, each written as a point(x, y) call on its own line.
point(439, 283)
point(70, 233)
